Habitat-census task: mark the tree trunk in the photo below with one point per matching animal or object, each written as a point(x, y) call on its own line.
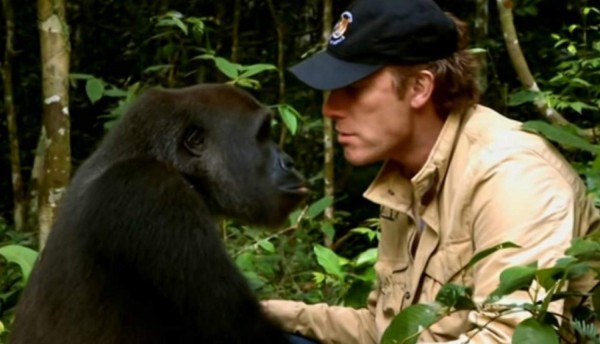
point(482, 18)
point(328, 128)
point(37, 171)
point(11, 120)
point(279, 29)
point(520, 64)
point(55, 52)
point(235, 35)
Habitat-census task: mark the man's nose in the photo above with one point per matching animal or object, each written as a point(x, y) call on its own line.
point(332, 107)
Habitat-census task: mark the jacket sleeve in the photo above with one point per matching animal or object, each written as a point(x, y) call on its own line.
point(524, 199)
point(324, 323)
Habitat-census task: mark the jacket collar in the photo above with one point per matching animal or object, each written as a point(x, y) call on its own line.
point(392, 189)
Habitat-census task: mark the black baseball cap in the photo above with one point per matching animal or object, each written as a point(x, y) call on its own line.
point(371, 34)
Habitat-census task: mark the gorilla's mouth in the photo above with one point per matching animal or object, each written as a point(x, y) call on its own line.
point(298, 189)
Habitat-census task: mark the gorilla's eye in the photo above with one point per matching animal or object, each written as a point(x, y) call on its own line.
point(194, 139)
point(264, 132)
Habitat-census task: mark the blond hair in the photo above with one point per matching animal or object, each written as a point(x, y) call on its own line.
point(455, 77)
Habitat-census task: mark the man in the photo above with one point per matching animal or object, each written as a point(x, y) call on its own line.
point(458, 177)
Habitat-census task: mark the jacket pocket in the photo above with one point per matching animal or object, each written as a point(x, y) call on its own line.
point(393, 289)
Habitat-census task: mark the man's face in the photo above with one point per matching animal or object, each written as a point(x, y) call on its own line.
point(373, 121)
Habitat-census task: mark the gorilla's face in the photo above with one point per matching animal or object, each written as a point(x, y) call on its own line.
point(227, 153)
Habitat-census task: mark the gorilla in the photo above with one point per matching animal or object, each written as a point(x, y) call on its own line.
point(134, 255)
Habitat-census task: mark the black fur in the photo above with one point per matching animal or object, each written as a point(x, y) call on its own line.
point(134, 255)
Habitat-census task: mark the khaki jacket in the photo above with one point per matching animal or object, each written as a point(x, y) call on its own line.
point(485, 182)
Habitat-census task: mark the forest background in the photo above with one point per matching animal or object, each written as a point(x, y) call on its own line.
point(70, 68)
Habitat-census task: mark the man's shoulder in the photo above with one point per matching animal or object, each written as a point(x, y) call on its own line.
point(487, 130)
point(489, 139)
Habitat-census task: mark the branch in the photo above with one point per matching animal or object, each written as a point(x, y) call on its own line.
point(524, 73)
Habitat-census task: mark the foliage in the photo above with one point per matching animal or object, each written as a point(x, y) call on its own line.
point(16, 262)
point(545, 285)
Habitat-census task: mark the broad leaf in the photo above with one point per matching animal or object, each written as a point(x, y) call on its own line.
point(549, 276)
point(115, 92)
point(367, 257)
point(356, 296)
point(329, 261)
point(328, 230)
point(371, 234)
point(532, 331)
point(583, 248)
point(408, 324)
point(22, 256)
point(80, 76)
point(560, 135)
point(522, 97)
point(457, 296)
point(289, 117)
point(227, 68)
point(513, 279)
point(483, 254)
point(318, 207)
point(249, 71)
point(94, 89)
point(267, 246)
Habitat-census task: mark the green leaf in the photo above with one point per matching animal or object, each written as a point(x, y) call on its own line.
point(94, 89)
point(318, 207)
point(371, 234)
point(22, 256)
point(477, 51)
point(357, 294)
point(289, 117)
point(451, 295)
point(560, 135)
point(80, 76)
point(328, 230)
point(549, 276)
point(532, 331)
point(294, 216)
point(513, 279)
point(227, 68)
point(248, 71)
point(174, 21)
point(584, 248)
point(116, 93)
point(197, 24)
point(245, 261)
point(408, 324)
point(367, 257)
point(522, 97)
point(254, 280)
point(267, 246)
point(329, 261)
point(158, 68)
point(248, 83)
point(483, 254)
point(578, 270)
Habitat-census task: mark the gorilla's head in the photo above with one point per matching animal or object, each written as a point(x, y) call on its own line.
point(218, 137)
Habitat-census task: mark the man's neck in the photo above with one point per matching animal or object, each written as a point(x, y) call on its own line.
point(428, 127)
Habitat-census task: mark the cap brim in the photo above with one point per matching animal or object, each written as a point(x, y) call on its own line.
point(323, 71)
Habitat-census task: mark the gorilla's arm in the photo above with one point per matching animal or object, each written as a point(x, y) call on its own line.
point(145, 224)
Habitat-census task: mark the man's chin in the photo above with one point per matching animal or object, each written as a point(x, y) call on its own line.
point(356, 160)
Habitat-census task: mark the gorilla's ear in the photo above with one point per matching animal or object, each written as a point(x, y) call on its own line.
point(193, 140)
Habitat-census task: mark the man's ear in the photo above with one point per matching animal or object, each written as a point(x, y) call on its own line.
point(422, 88)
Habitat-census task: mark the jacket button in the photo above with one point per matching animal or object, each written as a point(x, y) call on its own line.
point(407, 295)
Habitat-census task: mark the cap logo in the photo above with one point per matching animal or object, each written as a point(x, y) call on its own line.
point(340, 28)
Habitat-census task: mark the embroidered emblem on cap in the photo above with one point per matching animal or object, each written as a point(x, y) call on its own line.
point(340, 28)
